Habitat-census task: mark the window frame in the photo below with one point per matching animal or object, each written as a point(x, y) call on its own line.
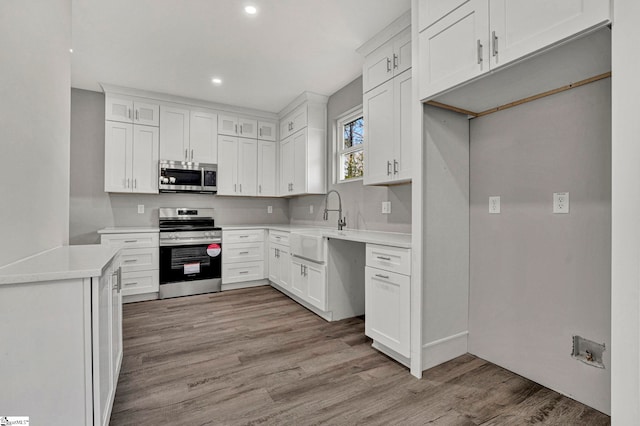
point(338, 142)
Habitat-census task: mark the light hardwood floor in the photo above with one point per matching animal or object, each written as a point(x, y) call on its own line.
point(254, 357)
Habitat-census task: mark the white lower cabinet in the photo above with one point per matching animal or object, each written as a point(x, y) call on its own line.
point(243, 256)
point(308, 281)
point(140, 263)
point(279, 259)
point(387, 298)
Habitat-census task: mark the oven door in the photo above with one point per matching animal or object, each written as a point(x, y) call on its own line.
point(190, 262)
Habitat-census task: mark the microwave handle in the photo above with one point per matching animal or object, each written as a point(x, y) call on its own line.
point(202, 178)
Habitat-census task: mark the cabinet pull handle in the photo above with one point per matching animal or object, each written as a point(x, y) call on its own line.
point(130, 260)
point(133, 283)
point(129, 113)
point(260, 189)
point(388, 168)
point(128, 183)
point(236, 131)
point(260, 131)
point(241, 128)
point(191, 155)
point(395, 167)
point(388, 65)
point(244, 252)
point(277, 237)
point(301, 266)
point(114, 277)
point(479, 52)
point(243, 236)
point(240, 187)
point(243, 272)
point(137, 115)
point(130, 241)
point(235, 187)
point(495, 43)
point(186, 155)
point(135, 183)
point(305, 270)
point(383, 258)
point(395, 61)
point(386, 277)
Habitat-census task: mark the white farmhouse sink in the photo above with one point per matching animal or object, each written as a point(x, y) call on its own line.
point(308, 244)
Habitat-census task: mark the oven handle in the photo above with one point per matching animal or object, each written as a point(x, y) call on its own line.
point(190, 242)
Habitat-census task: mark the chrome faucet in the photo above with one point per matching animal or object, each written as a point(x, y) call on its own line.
point(342, 221)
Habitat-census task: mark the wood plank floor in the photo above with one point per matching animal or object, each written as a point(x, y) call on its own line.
point(254, 357)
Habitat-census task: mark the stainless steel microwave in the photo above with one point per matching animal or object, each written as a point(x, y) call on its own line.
point(181, 176)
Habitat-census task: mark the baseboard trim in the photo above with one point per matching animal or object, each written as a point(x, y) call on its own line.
point(245, 284)
point(445, 349)
point(140, 297)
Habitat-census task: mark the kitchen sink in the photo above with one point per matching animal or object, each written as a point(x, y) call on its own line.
point(308, 245)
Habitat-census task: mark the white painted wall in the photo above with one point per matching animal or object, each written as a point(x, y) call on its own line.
point(538, 278)
point(625, 207)
point(35, 37)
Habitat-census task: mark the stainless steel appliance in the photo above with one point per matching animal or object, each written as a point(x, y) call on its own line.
point(181, 176)
point(190, 252)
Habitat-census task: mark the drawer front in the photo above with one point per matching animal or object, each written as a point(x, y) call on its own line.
point(142, 239)
point(246, 236)
point(239, 272)
point(243, 252)
point(140, 282)
point(139, 259)
point(387, 258)
point(279, 237)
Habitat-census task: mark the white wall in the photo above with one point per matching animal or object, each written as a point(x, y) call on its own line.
point(35, 37)
point(538, 278)
point(625, 206)
point(360, 204)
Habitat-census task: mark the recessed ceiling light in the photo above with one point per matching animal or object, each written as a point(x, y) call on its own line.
point(251, 10)
point(70, 50)
point(216, 81)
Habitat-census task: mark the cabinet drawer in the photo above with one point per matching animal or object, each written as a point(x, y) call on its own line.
point(140, 282)
point(246, 236)
point(243, 252)
point(392, 259)
point(139, 259)
point(279, 237)
point(141, 239)
point(245, 271)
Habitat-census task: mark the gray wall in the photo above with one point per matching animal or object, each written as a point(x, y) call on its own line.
point(537, 278)
point(35, 37)
point(361, 204)
point(92, 209)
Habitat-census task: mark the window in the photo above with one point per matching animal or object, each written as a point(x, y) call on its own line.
point(350, 146)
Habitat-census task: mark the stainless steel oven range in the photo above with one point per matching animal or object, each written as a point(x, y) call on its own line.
point(190, 252)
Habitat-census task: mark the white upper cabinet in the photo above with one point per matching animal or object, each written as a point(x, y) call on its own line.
point(174, 134)
point(267, 168)
point(387, 61)
point(232, 125)
point(470, 38)
point(188, 135)
point(237, 167)
point(379, 131)
point(294, 121)
point(131, 110)
point(203, 137)
point(267, 130)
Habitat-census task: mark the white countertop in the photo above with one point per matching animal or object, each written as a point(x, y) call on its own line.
point(61, 263)
point(394, 239)
point(127, 230)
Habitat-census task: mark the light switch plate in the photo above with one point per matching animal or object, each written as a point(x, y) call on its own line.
point(494, 205)
point(310, 208)
point(386, 207)
point(140, 208)
point(561, 202)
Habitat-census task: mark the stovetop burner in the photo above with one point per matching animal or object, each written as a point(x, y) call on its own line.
point(186, 219)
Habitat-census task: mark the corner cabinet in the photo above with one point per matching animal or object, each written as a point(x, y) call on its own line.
point(463, 40)
point(303, 147)
point(387, 112)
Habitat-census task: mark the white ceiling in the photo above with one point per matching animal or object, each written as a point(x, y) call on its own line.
point(265, 60)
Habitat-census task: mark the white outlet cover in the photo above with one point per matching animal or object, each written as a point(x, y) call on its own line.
point(386, 207)
point(310, 208)
point(561, 202)
point(494, 205)
point(140, 208)
point(269, 209)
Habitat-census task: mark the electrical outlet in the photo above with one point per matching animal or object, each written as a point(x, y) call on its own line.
point(561, 202)
point(310, 208)
point(269, 209)
point(386, 207)
point(140, 208)
point(494, 205)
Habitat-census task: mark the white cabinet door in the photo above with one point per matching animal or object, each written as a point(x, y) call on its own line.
point(299, 163)
point(102, 334)
point(267, 168)
point(247, 166)
point(248, 128)
point(227, 165)
point(299, 284)
point(146, 114)
point(402, 52)
point(116, 322)
point(521, 27)
point(174, 134)
point(203, 137)
point(266, 131)
point(118, 142)
point(286, 166)
point(144, 158)
point(431, 11)
point(378, 67)
point(293, 122)
point(387, 300)
point(274, 264)
point(316, 285)
point(455, 49)
point(227, 125)
point(402, 98)
point(119, 109)
point(378, 112)
point(284, 263)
